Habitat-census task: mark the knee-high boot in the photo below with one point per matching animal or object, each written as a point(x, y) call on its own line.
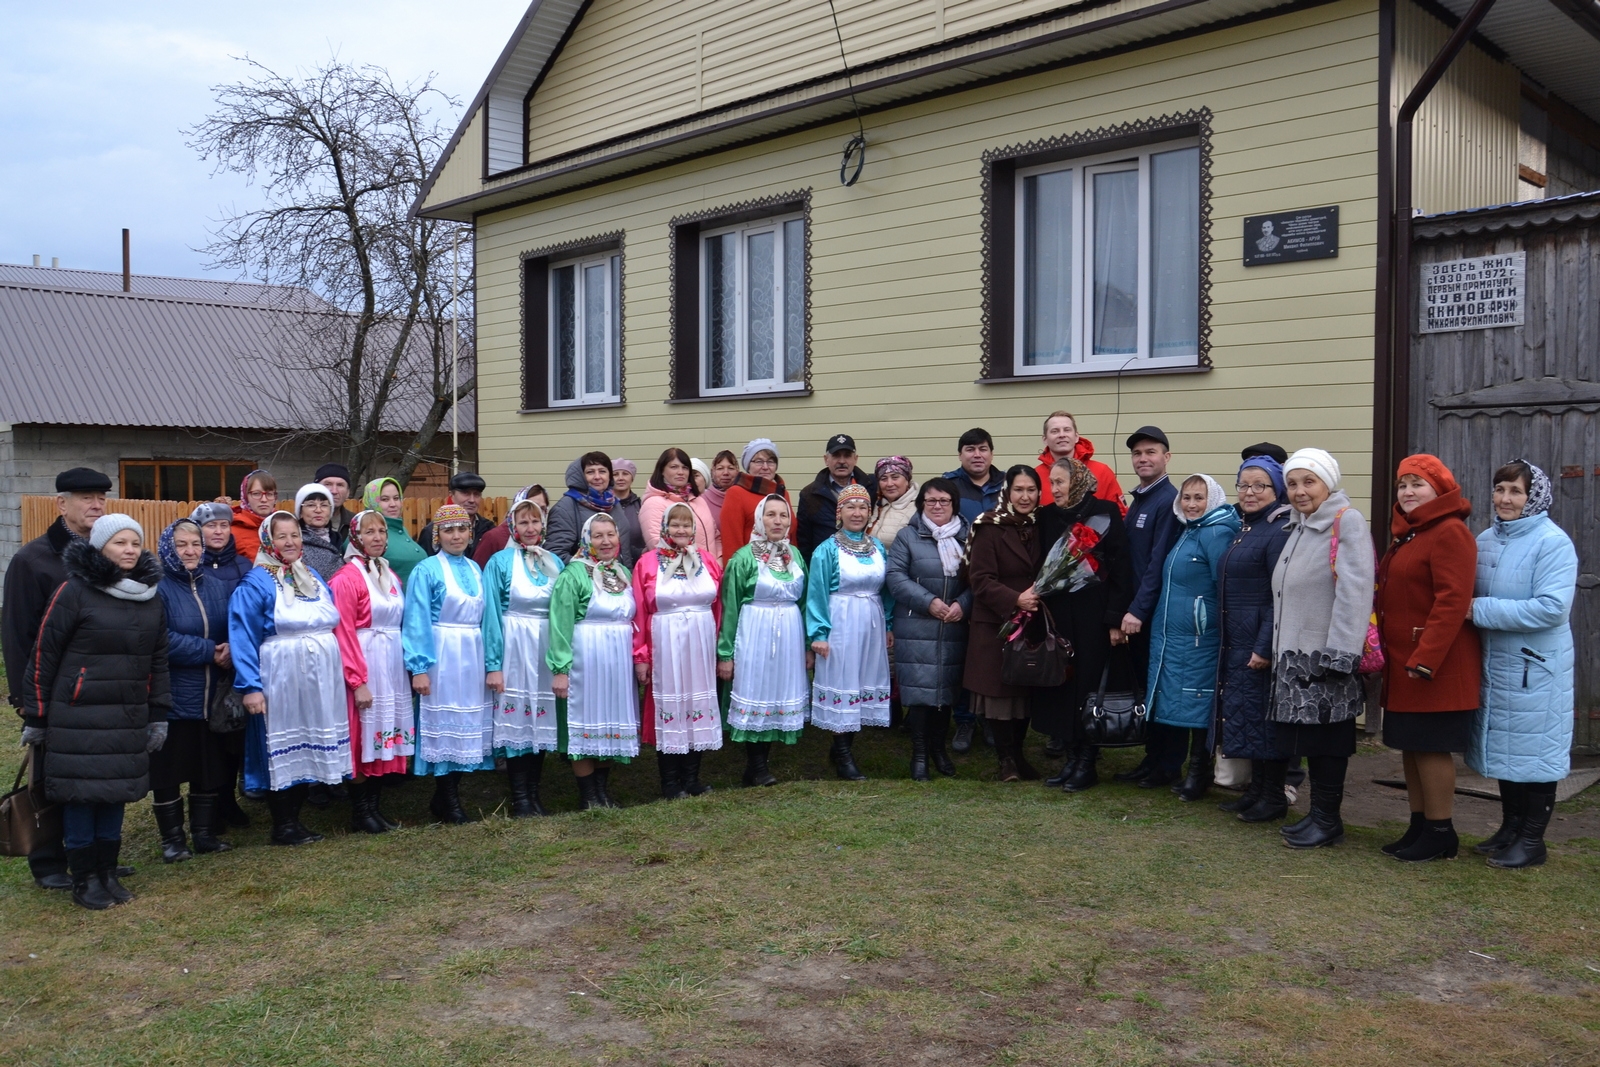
point(1527, 849)
point(938, 730)
point(671, 768)
point(756, 769)
point(203, 821)
point(1327, 795)
point(169, 821)
point(1512, 796)
point(917, 720)
point(446, 802)
point(844, 761)
point(1271, 805)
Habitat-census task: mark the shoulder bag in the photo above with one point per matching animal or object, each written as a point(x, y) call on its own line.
point(26, 821)
point(1114, 720)
point(227, 714)
point(1041, 664)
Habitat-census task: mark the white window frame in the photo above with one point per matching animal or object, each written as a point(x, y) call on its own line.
point(744, 386)
point(1083, 360)
point(612, 391)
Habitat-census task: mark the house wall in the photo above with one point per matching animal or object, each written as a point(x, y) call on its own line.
point(896, 260)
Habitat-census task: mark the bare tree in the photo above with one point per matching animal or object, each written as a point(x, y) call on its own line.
point(340, 153)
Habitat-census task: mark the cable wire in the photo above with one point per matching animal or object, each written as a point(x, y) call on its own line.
point(856, 147)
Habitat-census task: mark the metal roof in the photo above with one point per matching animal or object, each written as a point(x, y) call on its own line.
point(81, 357)
point(1552, 41)
point(209, 289)
point(1522, 215)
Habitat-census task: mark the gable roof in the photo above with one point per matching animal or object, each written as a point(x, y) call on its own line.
point(162, 356)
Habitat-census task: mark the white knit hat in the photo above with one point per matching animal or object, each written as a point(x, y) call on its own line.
point(700, 465)
point(310, 489)
point(108, 526)
point(1318, 462)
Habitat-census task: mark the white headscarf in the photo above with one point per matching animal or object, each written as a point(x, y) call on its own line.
point(1216, 497)
point(776, 556)
point(1318, 462)
point(674, 560)
point(539, 560)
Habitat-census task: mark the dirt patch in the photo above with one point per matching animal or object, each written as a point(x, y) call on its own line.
point(549, 1004)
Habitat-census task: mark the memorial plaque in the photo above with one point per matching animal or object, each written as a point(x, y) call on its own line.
point(1473, 294)
point(1290, 236)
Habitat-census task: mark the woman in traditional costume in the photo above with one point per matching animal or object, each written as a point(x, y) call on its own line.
point(519, 582)
point(848, 611)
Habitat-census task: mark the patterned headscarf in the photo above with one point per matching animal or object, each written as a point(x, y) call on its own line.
point(1002, 514)
point(369, 495)
point(862, 544)
point(380, 576)
point(168, 551)
point(849, 492)
point(244, 486)
point(893, 463)
point(449, 515)
point(610, 575)
point(1540, 494)
point(295, 575)
point(675, 561)
point(777, 556)
point(1082, 485)
point(541, 561)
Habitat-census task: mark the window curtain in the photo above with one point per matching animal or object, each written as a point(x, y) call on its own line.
point(1116, 263)
point(1175, 253)
point(1047, 266)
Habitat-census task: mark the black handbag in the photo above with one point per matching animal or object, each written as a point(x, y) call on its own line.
point(27, 821)
point(1114, 720)
point(1041, 664)
point(227, 714)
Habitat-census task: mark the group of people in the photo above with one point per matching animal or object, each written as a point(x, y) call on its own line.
point(324, 648)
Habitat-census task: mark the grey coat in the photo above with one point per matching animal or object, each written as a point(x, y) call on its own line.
point(1319, 623)
point(567, 517)
point(928, 654)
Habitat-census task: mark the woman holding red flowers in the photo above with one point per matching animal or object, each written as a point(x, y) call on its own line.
point(1087, 583)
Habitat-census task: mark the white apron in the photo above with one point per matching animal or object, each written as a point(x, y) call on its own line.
point(683, 672)
point(770, 688)
point(387, 730)
point(307, 721)
point(850, 687)
point(603, 705)
point(525, 714)
point(456, 719)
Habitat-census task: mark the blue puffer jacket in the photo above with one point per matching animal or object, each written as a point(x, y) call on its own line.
point(1246, 605)
point(226, 566)
point(1186, 626)
point(1527, 579)
point(197, 621)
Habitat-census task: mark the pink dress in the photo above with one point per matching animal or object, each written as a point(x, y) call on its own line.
point(707, 537)
point(368, 633)
point(675, 631)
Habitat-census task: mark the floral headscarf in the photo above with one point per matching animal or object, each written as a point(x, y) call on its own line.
point(540, 561)
point(777, 556)
point(1002, 513)
point(677, 561)
point(610, 575)
point(244, 486)
point(1083, 484)
point(380, 576)
point(1540, 494)
point(369, 495)
point(296, 575)
point(168, 551)
point(893, 463)
point(449, 515)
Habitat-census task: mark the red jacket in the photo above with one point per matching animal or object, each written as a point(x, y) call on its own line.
point(1424, 607)
point(739, 506)
point(1106, 487)
point(247, 533)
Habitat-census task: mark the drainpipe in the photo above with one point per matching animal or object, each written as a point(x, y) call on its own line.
point(1383, 306)
point(1400, 368)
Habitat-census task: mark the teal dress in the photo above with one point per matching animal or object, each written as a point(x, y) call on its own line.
point(403, 552)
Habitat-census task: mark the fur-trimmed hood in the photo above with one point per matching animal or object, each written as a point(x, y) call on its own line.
point(90, 566)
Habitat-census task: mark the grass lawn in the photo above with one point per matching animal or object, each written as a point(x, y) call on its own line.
point(818, 922)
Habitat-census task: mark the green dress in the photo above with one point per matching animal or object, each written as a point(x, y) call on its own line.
point(764, 634)
point(591, 641)
point(403, 553)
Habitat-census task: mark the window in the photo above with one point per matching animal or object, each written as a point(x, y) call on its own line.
point(585, 341)
point(181, 479)
point(740, 314)
point(1108, 261)
point(572, 340)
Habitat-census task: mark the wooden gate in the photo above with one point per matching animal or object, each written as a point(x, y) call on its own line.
point(1480, 397)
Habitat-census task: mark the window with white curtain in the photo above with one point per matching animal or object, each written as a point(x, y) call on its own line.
point(586, 331)
point(752, 307)
point(1108, 261)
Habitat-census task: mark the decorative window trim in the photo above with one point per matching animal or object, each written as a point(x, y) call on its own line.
point(683, 273)
point(534, 331)
point(999, 166)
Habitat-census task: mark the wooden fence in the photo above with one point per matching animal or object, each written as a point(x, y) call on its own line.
point(38, 512)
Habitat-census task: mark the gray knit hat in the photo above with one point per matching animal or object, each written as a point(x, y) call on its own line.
point(211, 511)
point(108, 526)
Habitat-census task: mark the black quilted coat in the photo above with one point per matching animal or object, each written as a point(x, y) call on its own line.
point(1246, 606)
point(98, 678)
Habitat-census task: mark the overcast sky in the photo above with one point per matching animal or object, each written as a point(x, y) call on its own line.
point(94, 97)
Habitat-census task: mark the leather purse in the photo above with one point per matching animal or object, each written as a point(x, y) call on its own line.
point(26, 820)
point(227, 714)
point(1114, 720)
point(1040, 664)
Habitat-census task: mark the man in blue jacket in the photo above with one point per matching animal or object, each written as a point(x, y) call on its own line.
point(976, 479)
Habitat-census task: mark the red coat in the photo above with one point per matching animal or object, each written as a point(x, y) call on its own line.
point(739, 506)
point(1424, 607)
point(247, 533)
point(1106, 487)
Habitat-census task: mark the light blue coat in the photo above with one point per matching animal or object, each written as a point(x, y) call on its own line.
point(1186, 628)
point(1527, 578)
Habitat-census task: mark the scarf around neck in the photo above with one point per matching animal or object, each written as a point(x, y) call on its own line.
point(540, 561)
point(949, 546)
point(296, 575)
point(673, 560)
point(380, 576)
point(599, 502)
point(777, 556)
point(609, 575)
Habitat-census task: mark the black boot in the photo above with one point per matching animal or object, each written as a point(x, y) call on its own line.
point(844, 761)
point(756, 771)
point(87, 890)
point(318, 795)
point(1438, 841)
point(364, 809)
point(169, 821)
point(1004, 751)
point(1198, 780)
point(602, 783)
point(671, 768)
point(1019, 736)
point(203, 823)
point(1251, 794)
point(1327, 796)
point(109, 851)
point(588, 793)
point(917, 719)
point(1271, 805)
point(524, 773)
point(1409, 838)
point(1527, 848)
point(1138, 774)
point(446, 802)
point(375, 800)
point(962, 742)
point(284, 804)
point(938, 730)
point(1512, 797)
point(691, 775)
point(1085, 771)
point(230, 811)
point(1064, 775)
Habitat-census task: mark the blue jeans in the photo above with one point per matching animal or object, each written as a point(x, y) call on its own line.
point(84, 824)
point(963, 708)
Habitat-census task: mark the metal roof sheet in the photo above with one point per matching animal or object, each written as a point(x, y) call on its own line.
point(1547, 44)
point(108, 358)
point(210, 289)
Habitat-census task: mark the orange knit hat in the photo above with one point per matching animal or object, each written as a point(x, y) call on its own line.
point(1430, 469)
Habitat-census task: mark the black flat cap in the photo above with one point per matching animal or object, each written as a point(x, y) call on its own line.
point(840, 442)
point(1149, 433)
point(466, 480)
point(1265, 448)
point(82, 480)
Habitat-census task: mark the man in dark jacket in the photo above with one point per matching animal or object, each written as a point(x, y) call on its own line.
point(976, 478)
point(335, 478)
point(819, 500)
point(34, 574)
point(466, 489)
point(1152, 531)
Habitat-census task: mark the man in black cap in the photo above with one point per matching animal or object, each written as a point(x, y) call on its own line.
point(1265, 448)
point(32, 577)
point(466, 489)
point(819, 500)
point(335, 478)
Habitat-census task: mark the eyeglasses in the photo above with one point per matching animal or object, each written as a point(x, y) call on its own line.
point(1252, 487)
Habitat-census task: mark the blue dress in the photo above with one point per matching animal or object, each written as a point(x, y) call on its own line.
point(442, 637)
